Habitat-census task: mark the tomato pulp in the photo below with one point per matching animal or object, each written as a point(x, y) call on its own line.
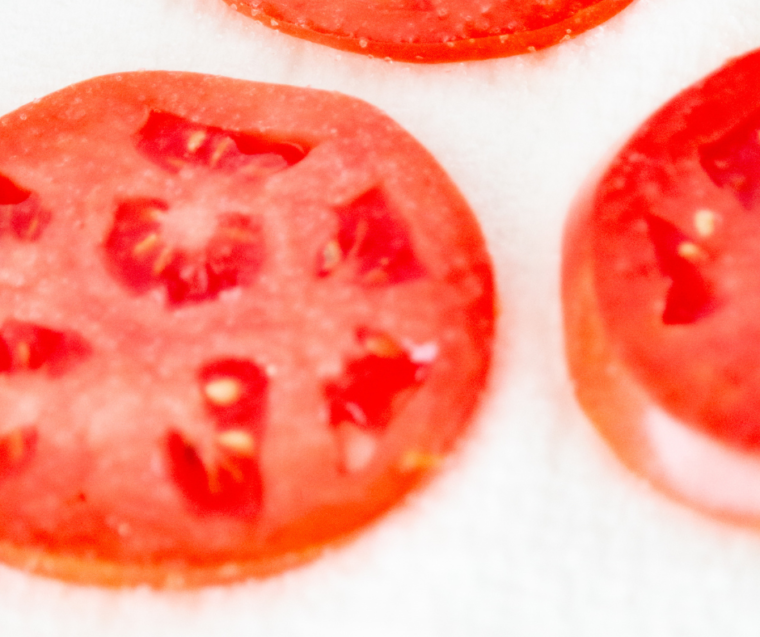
point(240, 321)
point(662, 296)
point(432, 30)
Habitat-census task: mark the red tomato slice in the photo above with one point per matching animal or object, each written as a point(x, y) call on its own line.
point(433, 30)
point(239, 322)
point(662, 295)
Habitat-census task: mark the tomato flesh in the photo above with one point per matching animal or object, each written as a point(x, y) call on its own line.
point(433, 30)
point(662, 291)
point(240, 322)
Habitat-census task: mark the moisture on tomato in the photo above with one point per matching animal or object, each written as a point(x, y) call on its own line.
point(433, 30)
point(239, 322)
point(662, 296)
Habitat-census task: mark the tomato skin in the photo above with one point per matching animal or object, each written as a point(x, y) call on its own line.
point(659, 298)
point(230, 270)
point(428, 32)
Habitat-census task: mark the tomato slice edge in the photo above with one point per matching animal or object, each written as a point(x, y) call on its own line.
point(461, 50)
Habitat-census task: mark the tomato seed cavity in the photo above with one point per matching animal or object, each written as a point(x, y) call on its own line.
point(234, 393)
point(27, 346)
point(731, 161)
point(372, 387)
point(141, 259)
point(21, 211)
point(376, 238)
point(689, 297)
point(173, 142)
point(230, 484)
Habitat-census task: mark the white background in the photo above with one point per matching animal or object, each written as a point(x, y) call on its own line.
point(534, 528)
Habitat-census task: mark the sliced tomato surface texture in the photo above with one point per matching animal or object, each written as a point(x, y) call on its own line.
point(433, 30)
point(662, 294)
point(239, 322)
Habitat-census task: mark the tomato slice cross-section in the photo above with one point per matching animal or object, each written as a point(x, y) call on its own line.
point(433, 30)
point(662, 296)
point(239, 322)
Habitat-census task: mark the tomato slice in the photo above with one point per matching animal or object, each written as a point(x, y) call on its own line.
point(662, 295)
point(240, 322)
point(433, 30)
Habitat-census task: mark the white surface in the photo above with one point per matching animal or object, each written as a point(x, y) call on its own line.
point(535, 529)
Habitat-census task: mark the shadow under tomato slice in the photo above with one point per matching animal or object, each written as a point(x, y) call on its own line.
point(238, 356)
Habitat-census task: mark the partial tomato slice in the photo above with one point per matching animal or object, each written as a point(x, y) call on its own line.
point(238, 322)
point(433, 30)
point(662, 295)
